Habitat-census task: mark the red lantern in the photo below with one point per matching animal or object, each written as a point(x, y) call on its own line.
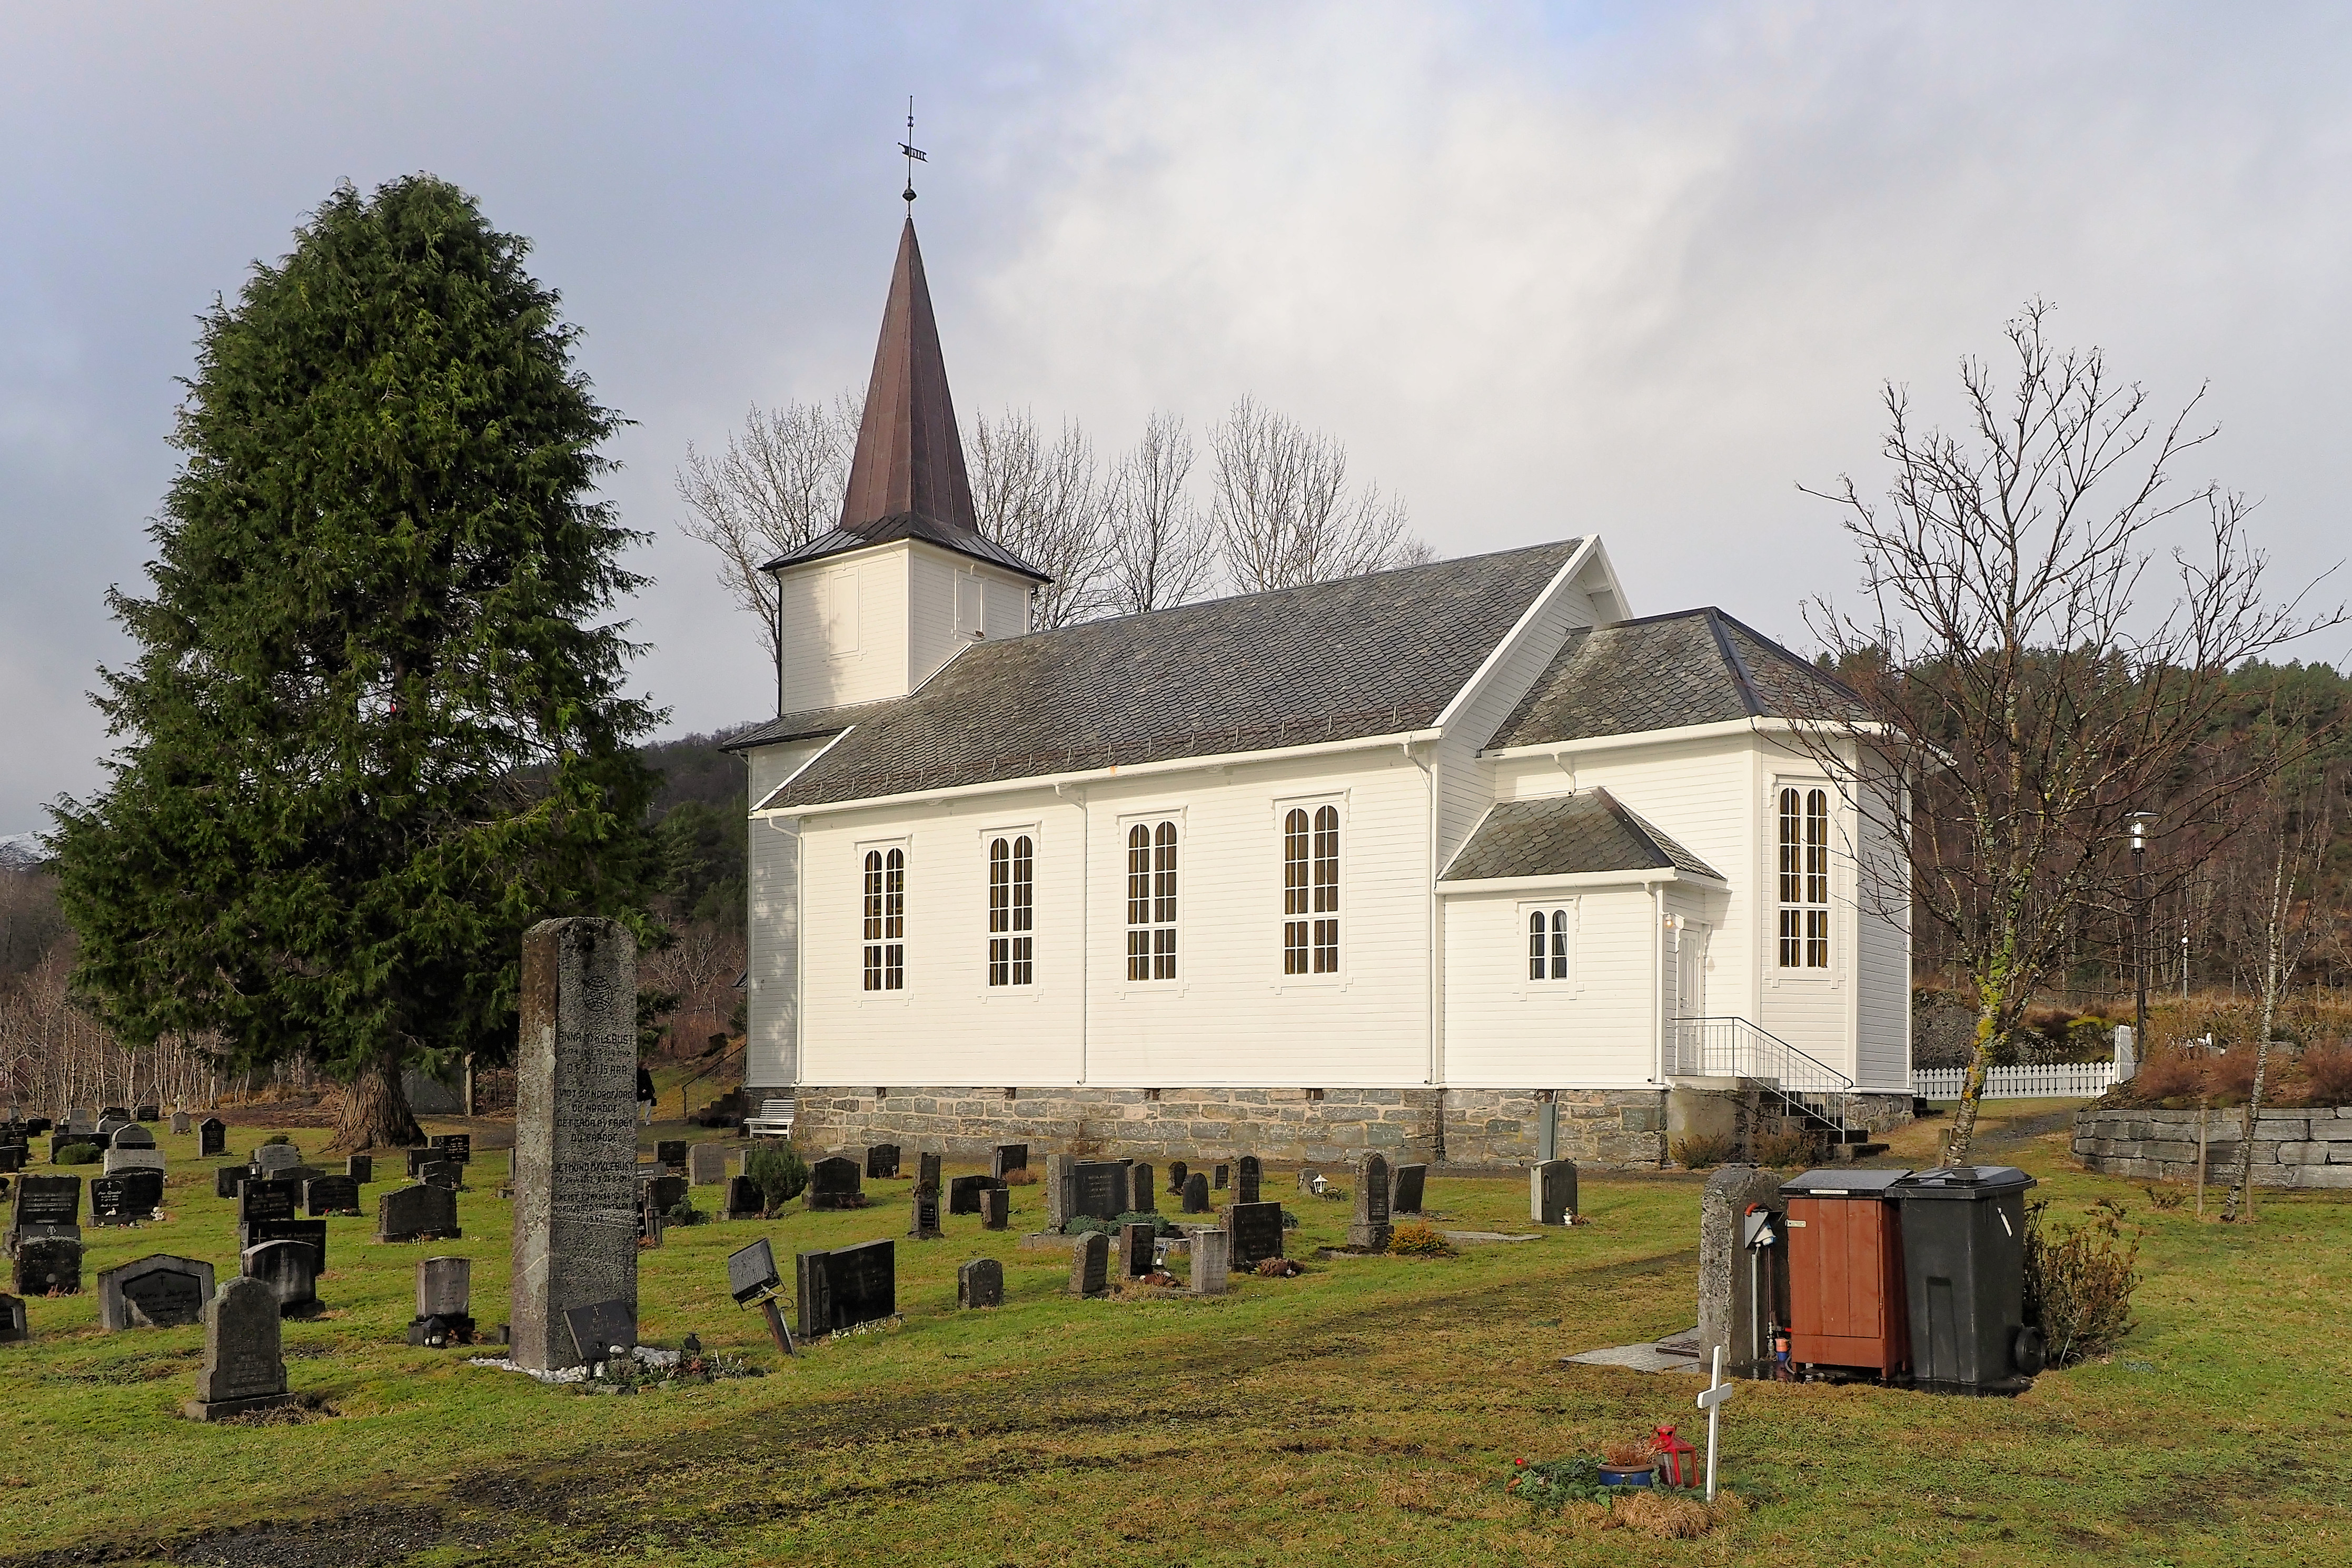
point(1671, 1451)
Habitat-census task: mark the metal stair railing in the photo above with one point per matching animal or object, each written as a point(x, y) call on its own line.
point(1735, 1047)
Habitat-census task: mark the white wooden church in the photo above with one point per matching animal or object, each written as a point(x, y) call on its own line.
point(1462, 862)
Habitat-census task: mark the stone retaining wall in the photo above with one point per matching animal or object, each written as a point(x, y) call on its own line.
point(2292, 1148)
point(1493, 1127)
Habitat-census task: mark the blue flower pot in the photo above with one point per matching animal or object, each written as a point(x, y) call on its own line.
point(1628, 1476)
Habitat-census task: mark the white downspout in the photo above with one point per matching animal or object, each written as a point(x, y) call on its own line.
point(1658, 980)
point(789, 828)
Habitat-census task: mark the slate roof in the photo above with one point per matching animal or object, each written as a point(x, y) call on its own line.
point(905, 525)
point(809, 725)
point(1366, 656)
point(1662, 672)
point(1590, 830)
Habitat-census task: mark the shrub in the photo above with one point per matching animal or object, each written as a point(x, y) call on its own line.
point(1275, 1268)
point(684, 1213)
point(2176, 1075)
point(777, 1169)
point(1420, 1240)
point(2079, 1281)
point(2327, 1074)
point(1699, 1152)
point(2230, 1076)
point(77, 1154)
point(2164, 1197)
point(1081, 1223)
point(1782, 1151)
point(1021, 1176)
point(1548, 1483)
point(278, 1138)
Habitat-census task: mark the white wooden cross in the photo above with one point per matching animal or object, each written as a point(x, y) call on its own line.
point(1712, 1403)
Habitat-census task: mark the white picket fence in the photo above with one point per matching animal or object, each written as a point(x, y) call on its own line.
point(2072, 1080)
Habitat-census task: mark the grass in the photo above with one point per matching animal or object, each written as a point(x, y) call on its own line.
point(1369, 1410)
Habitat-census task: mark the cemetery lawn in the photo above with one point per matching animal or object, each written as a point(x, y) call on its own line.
point(1368, 1412)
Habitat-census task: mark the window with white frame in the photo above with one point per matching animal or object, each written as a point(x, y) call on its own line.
point(886, 919)
point(1012, 910)
point(1311, 890)
point(1549, 934)
point(1152, 901)
point(1804, 878)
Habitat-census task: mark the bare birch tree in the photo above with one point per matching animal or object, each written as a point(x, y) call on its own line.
point(1044, 502)
point(1283, 510)
point(1162, 551)
point(2011, 668)
point(777, 486)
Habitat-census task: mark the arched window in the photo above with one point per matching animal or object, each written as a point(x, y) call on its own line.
point(1310, 885)
point(1152, 901)
point(886, 919)
point(1011, 910)
point(1547, 944)
point(1804, 878)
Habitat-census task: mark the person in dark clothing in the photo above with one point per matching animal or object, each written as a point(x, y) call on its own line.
point(644, 1095)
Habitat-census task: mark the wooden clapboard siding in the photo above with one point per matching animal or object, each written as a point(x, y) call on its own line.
point(772, 930)
point(1504, 1031)
point(1883, 944)
point(826, 666)
point(951, 597)
point(1465, 780)
point(1816, 1013)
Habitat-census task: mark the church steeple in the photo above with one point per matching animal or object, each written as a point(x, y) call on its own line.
point(909, 457)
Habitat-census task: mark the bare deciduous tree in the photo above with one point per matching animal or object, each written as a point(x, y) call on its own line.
point(1162, 550)
point(1283, 510)
point(1044, 502)
point(778, 485)
point(2012, 669)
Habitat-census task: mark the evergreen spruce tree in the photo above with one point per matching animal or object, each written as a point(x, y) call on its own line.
point(375, 729)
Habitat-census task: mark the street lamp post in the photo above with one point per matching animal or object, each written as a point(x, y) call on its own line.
point(2139, 821)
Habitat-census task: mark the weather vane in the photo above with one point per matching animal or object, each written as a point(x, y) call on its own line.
point(914, 154)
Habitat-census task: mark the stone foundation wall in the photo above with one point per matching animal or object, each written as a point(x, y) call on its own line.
point(2292, 1148)
point(1475, 1126)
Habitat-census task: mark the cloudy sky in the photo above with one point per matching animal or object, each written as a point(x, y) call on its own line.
point(1637, 268)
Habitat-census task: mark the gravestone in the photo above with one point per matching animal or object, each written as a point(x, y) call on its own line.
point(671, 1152)
point(12, 1157)
point(110, 1124)
point(1405, 1189)
point(995, 1209)
point(981, 1283)
point(50, 1265)
point(329, 1195)
point(1061, 1190)
point(1212, 1253)
point(848, 1286)
point(182, 1124)
point(666, 1193)
point(12, 1328)
point(599, 1328)
point(131, 1198)
point(1196, 1194)
point(445, 1173)
point(147, 1114)
point(360, 1168)
point(1307, 1179)
point(706, 1164)
point(576, 1133)
point(421, 1213)
point(273, 1157)
point(652, 1219)
point(1223, 1175)
point(744, 1199)
point(59, 1142)
point(1177, 1171)
point(118, 1159)
point(445, 1295)
point(132, 1136)
point(1135, 1249)
point(1249, 1179)
point(834, 1183)
point(1368, 1231)
point(1726, 1269)
point(44, 1206)
point(963, 1192)
point(1256, 1232)
point(311, 1232)
point(882, 1163)
point(925, 1226)
point(421, 1161)
point(1090, 1265)
point(289, 1269)
point(455, 1146)
point(159, 1291)
point(266, 1200)
point(927, 1172)
point(1099, 1189)
point(1551, 1192)
point(751, 1272)
point(1140, 1189)
point(227, 1179)
point(1006, 1158)
point(244, 1367)
point(212, 1137)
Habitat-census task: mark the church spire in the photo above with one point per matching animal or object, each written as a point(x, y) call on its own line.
point(910, 456)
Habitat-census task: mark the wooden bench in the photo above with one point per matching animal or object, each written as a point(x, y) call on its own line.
point(774, 1120)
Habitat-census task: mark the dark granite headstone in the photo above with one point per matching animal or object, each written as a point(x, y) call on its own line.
point(245, 1370)
point(12, 1157)
point(456, 1146)
point(652, 1219)
point(271, 1158)
point(599, 1328)
point(666, 1193)
point(744, 1199)
point(147, 1114)
point(963, 1192)
point(751, 1272)
point(1249, 1179)
point(161, 1291)
point(48, 1265)
point(360, 1168)
point(671, 1152)
point(995, 1209)
point(1405, 1189)
point(329, 1195)
point(212, 1137)
point(1258, 1233)
point(290, 1269)
point(981, 1283)
point(834, 1183)
point(62, 1140)
point(1006, 1158)
point(1061, 1190)
point(927, 1173)
point(1100, 1189)
point(1139, 1190)
point(1135, 1249)
point(1177, 1172)
point(1223, 1178)
point(266, 1200)
point(227, 1179)
point(882, 1163)
point(1090, 1265)
point(44, 1205)
point(925, 1224)
point(1196, 1194)
point(132, 1135)
point(311, 1232)
point(12, 1328)
point(848, 1286)
point(1369, 1230)
point(129, 1198)
point(1551, 1192)
point(417, 1212)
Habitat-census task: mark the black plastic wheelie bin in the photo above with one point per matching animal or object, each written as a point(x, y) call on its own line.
point(1964, 1271)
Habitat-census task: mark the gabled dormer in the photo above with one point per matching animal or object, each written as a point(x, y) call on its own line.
point(872, 608)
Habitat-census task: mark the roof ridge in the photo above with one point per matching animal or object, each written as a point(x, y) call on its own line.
point(1749, 698)
point(1624, 813)
point(1807, 665)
